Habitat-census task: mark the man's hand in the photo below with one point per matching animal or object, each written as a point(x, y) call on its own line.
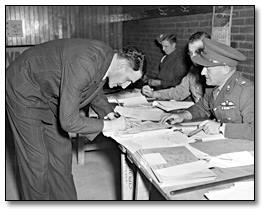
point(154, 82)
point(176, 118)
point(147, 91)
point(210, 126)
point(111, 116)
point(172, 119)
point(117, 124)
point(145, 78)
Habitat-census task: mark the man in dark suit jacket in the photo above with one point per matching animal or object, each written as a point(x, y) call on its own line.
point(46, 86)
point(230, 105)
point(172, 67)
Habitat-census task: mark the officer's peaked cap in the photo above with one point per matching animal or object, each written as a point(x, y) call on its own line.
point(217, 54)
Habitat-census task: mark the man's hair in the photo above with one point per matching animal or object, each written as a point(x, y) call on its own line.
point(134, 56)
point(198, 36)
point(171, 38)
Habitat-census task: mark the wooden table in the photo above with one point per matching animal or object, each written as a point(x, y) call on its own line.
point(137, 180)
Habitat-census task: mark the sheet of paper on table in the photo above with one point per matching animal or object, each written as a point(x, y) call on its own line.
point(155, 139)
point(128, 98)
point(156, 135)
point(240, 191)
point(172, 105)
point(140, 127)
point(234, 159)
point(184, 172)
point(141, 113)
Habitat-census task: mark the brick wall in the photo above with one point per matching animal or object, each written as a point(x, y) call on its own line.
point(142, 33)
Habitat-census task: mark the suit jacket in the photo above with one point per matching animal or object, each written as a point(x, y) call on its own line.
point(56, 79)
point(171, 70)
point(234, 106)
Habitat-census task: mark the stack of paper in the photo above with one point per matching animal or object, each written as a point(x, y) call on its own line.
point(176, 165)
point(184, 172)
point(172, 105)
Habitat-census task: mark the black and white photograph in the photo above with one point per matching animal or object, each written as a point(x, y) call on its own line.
point(148, 104)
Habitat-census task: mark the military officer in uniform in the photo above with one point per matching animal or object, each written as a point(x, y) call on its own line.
point(230, 105)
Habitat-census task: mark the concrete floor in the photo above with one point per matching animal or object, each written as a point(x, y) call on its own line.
point(98, 179)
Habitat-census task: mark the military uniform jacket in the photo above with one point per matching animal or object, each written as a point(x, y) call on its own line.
point(171, 70)
point(234, 106)
point(56, 79)
point(188, 86)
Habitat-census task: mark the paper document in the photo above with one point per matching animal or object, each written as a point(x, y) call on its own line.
point(154, 159)
point(240, 191)
point(172, 105)
point(161, 140)
point(127, 98)
point(140, 113)
point(203, 176)
point(142, 127)
point(192, 170)
point(234, 159)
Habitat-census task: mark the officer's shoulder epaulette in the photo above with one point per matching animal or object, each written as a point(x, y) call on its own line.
point(243, 81)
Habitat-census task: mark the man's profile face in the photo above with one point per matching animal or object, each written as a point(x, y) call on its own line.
point(168, 47)
point(123, 76)
point(194, 47)
point(214, 75)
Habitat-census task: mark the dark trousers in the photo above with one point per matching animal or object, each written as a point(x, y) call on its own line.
point(44, 156)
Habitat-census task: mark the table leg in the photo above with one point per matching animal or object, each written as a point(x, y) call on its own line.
point(143, 187)
point(127, 179)
point(80, 149)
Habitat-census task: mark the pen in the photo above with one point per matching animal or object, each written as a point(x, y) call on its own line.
point(117, 115)
point(119, 104)
point(195, 131)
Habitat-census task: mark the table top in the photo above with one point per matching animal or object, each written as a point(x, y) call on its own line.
point(195, 191)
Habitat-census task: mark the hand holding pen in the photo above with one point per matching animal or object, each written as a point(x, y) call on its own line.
point(210, 126)
point(147, 91)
